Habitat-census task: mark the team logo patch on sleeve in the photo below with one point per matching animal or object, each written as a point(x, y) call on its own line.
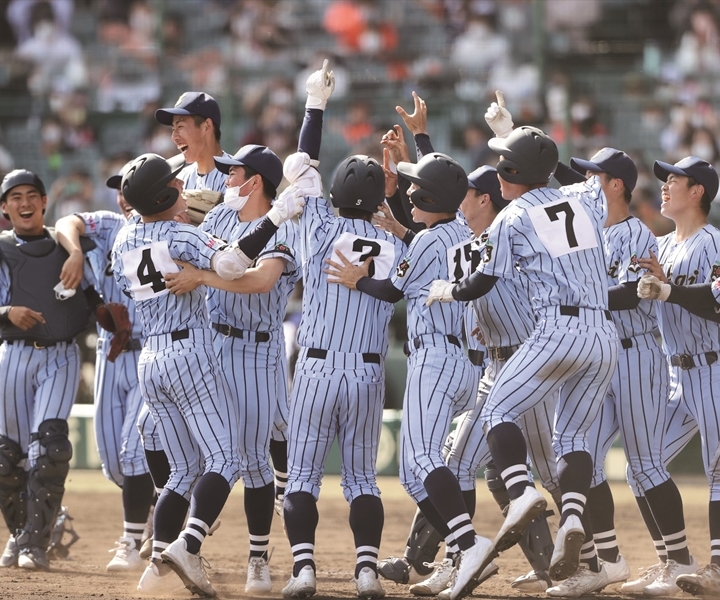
point(634, 266)
point(487, 250)
point(280, 247)
point(715, 272)
point(403, 268)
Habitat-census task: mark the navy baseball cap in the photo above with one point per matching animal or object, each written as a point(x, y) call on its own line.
point(611, 161)
point(191, 103)
point(485, 180)
point(691, 166)
point(258, 158)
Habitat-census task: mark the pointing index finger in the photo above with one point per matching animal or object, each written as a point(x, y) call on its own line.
point(500, 98)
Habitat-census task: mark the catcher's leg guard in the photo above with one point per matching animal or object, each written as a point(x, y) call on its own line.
point(422, 545)
point(46, 484)
point(13, 481)
point(536, 543)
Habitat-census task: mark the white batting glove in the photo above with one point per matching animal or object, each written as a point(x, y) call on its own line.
point(298, 170)
point(651, 288)
point(289, 204)
point(319, 87)
point(499, 117)
point(440, 291)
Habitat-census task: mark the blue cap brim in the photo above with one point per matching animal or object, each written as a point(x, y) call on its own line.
point(164, 116)
point(223, 164)
point(114, 182)
point(581, 166)
point(663, 169)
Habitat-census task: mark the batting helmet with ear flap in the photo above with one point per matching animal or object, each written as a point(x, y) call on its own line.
point(359, 183)
point(145, 184)
point(529, 156)
point(442, 183)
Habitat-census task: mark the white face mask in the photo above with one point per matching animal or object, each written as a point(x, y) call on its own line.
point(233, 199)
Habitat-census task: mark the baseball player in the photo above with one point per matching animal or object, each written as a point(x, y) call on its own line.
point(339, 383)
point(195, 120)
point(117, 393)
point(39, 370)
point(544, 235)
point(179, 376)
point(247, 317)
point(688, 256)
point(441, 381)
point(635, 404)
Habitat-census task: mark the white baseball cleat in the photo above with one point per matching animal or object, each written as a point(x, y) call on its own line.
point(258, 576)
point(487, 573)
point(665, 584)
point(521, 512)
point(9, 556)
point(647, 576)
point(535, 582)
point(566, 556)
point(158, 579)
point(189, 567)
point(368, 584)
point(439, 579)
point(583, 581)
point(706, 582)
point(617, 571)
point(471, 565)
point(127, 557)
point(302, 586)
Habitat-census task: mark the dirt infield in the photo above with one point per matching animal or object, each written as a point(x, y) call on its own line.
point(95, 506)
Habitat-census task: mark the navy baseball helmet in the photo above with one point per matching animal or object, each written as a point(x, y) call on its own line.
point(611, 161)
point(691, 166)
point(359, 182)
point(485, 180)
point(191, 103)
point(529, 156)
point(20, 177)
point(145, 184)
point(259, 158)
point(442, 183)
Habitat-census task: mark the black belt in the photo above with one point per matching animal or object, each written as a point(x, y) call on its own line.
point(180, 334)
point(133, 345)
point(229, 331)
point(417, 343)
point(41, 343)
point(685, 361)
point(502, 352)
point(626, 343)
point(574, 311)
point(477, 357)
point(368, 357)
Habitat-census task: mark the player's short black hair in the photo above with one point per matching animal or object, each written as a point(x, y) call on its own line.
point(269, 190)
point(705, 201)
point(199, 119)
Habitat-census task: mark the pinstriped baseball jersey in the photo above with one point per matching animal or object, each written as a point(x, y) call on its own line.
point(553, 237)
point(695, 260)
point(255, 312)
point(192, 180)
point(143, 252)
point(344, 320)
point(102, 227)
point(625, 243)
point(443, 251)
point(116, 390)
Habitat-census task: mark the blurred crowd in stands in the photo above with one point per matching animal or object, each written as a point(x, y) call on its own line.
point(80, 79)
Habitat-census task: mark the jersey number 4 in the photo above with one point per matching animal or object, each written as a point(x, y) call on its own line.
point(563, 227)
point(143, 268)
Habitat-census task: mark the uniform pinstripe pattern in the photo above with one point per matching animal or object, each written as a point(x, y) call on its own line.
point(37, 384)
point(554, 239)
point(691, 406)
point(255, 370)
point(186, 393)
point(214, 180)
point(341, 395)
point(116, 389)
point(638, 393)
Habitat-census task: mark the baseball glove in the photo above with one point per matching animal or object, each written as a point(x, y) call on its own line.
point(200, 202)
point(114, 317)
